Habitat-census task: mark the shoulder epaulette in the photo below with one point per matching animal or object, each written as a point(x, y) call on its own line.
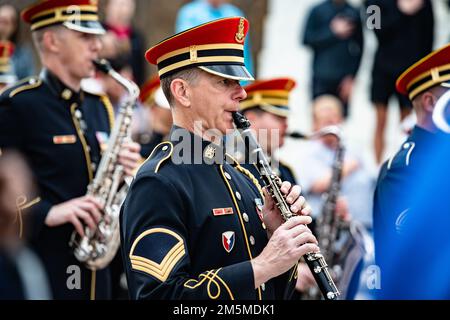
point(159, 155)
point(403, 157)
point(24, 85)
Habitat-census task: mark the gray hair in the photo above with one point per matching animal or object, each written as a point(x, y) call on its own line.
point(189, 75)
point(38, 36)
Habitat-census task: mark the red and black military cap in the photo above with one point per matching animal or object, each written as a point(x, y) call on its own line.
point(431, 71)
point(216, 47)
point(78, 15)
point(269, 95)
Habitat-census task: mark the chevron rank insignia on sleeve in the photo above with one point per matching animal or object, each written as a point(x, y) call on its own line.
point(156, 252)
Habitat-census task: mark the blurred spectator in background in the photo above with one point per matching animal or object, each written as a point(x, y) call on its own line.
point(201, 11)
point(334, 33)
point(7, 75)
point(23, 61)
point(22, 276)
point(119, 16)
point(314, 167)
point(406, 35)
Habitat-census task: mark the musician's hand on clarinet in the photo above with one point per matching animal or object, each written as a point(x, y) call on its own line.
point(129, 157)
point(298, 205)
point(288, 244)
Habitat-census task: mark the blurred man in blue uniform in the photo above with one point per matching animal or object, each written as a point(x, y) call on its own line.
point(411, 208)
point(61, 130)
point(195, 224)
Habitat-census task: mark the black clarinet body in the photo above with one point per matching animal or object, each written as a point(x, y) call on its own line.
point(315, 261)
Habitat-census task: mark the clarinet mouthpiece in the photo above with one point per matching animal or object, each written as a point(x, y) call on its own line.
point(241, 121)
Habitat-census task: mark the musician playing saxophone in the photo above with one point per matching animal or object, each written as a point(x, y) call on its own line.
point(60, 128)
point(318, 155)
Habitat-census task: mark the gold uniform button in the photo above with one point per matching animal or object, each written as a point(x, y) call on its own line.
point(246, 218)
point(252, 240)
point(238, 196)
point(66, 94)
point(165, 148)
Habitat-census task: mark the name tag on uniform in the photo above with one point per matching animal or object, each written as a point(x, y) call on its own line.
point(70, 139)
point(223, 212)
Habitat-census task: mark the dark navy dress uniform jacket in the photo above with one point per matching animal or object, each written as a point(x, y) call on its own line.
point(60, 133)
point(189, 231)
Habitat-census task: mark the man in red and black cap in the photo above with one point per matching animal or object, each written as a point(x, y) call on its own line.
point(267, 108)
point(411, 220)
point(194, 224)
point(59, 127)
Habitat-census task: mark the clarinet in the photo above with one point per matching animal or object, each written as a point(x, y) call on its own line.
point(315, 261)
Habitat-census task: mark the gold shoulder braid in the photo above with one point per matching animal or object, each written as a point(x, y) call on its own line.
point(252, 178)
point(235, 163)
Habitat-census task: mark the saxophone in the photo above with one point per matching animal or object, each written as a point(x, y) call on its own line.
point(329, 226)
point(343, 244)
point(97, 248)
point(315, 261)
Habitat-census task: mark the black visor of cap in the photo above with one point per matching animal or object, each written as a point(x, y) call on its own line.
point(231, 71)
point(91, 27)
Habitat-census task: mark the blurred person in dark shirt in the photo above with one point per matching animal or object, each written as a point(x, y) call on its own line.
point(406, 35)
point(334, 32)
